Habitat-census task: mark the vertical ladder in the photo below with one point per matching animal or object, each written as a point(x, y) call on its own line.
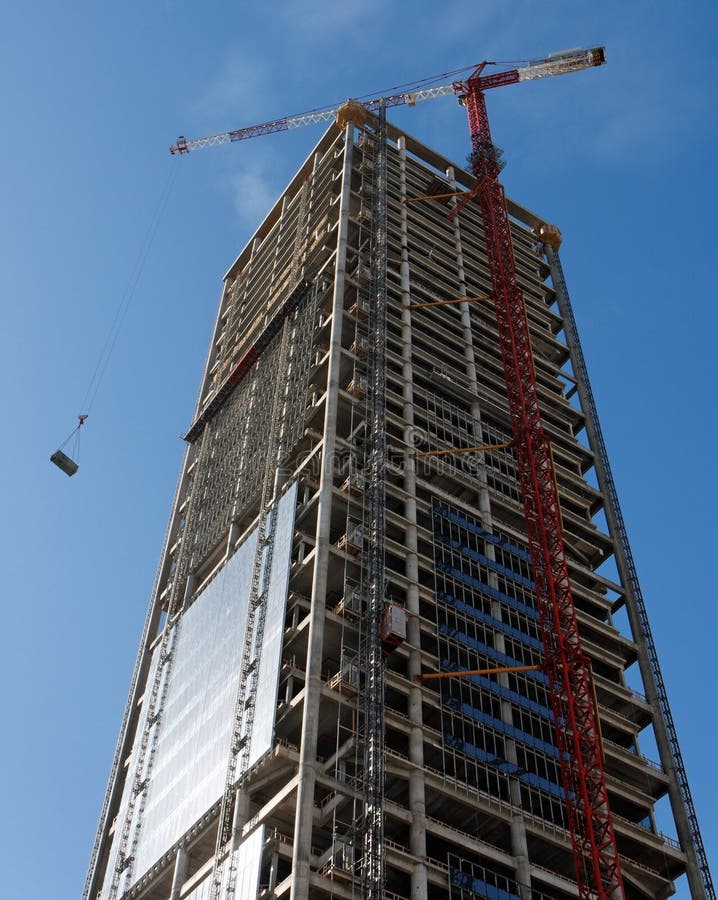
point(373, 869)
point(350, 766)
point(613, 511)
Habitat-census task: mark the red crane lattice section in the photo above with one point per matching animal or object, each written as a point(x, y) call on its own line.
point(589, 820)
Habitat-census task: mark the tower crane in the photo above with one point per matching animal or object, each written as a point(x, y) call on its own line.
point(555, 64)
point(595, 852)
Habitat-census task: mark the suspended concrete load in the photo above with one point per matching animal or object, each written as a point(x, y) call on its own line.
point(61, 459)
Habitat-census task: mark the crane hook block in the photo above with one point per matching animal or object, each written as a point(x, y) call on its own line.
point(63, 462)
point(351, 111)
point(180, 147)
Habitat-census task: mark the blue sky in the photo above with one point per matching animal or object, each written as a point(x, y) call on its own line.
point(620, 158)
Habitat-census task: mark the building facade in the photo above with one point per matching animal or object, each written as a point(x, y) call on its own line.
point(347, 522)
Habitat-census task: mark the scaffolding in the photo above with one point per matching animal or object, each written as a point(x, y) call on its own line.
point(160, 673)
point(373, 876)
point(285, 366)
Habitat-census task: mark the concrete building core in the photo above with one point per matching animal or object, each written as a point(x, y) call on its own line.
point(336, 534)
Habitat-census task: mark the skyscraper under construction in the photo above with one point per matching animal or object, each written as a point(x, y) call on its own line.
point(347, 535)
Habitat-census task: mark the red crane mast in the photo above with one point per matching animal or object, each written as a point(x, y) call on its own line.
point(598, 872)
point(589, 820)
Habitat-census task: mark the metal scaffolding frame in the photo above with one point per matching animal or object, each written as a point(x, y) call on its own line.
point(373, 875)
point(280, 433)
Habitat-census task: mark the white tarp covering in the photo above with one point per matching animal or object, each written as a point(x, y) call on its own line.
point(248, 858)
point(189, 766)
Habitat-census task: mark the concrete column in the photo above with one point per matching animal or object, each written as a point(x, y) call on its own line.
point(234, 531)
point(212, 354)
point(232, 538)
point(189, 588)
point(518, 828)
point(520, 850)
point(273, 870)
point(301, 851)
point(256, 243)
point(280, 242)
point(417, 797)
point(179, 875)
point(240, 815)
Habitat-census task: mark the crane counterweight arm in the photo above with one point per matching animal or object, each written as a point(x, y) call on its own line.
point(563, 63)
point(555, 64)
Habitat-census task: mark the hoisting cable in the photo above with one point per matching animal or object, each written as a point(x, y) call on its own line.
point(128, 295)
point(377, 95)
point(59, 458)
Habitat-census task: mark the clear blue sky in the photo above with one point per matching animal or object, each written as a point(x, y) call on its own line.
point(620, 158)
